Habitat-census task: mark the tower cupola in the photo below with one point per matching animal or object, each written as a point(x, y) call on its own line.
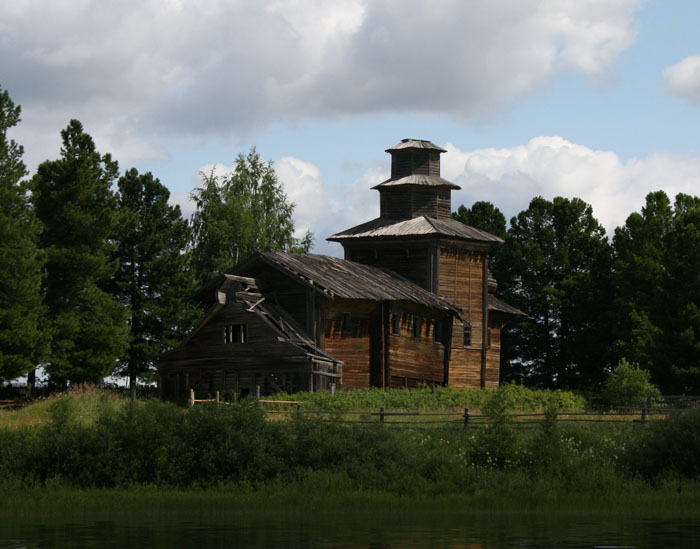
point(415, 187)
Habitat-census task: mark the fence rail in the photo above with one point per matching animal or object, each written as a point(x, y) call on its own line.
point(464, 419)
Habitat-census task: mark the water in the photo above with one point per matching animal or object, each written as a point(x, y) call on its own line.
point(338, 531)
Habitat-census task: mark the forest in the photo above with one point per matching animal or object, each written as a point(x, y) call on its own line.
point(96, 268)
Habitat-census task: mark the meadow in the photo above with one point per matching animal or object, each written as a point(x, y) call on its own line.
point(90, 445)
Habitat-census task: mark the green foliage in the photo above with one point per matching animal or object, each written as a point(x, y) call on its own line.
point(72, 197)
point(668, 448)
point(629, 385)
point(441, 398)
point(94, 440)
point(239, 214)
point(24, 338)
point(556, 266)
point(154, 279)
point(657, 271)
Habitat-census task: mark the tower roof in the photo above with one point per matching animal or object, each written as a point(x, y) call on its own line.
point(415, 144)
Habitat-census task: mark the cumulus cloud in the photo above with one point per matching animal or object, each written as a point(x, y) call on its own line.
point(684, 78)
point(553, 166)
point(154, 68)
point(546, 166)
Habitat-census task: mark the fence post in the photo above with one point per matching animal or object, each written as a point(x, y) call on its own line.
point(190, 401)
point(332, 389)
point(381, 414)
point(644, 411)
point(217, 396)
point(257, 392)
point(298, 410)
point(466, 418)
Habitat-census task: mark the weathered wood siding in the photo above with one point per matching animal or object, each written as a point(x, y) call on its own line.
point(401, 203)
point(346, 336)
point(410, 262)
point(461, 280)
point(207, 363)
point(413, 360)
point(493, 356)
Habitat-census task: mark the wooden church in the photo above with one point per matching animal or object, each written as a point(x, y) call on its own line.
point(411, 303)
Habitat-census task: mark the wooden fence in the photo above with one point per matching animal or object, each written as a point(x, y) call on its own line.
point(464, 419)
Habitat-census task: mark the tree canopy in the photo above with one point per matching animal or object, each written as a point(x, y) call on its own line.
point(24, 335)
point(154, 280)
point(240, 213)
point(657, 274)
point(73, 198)
point(555, 265)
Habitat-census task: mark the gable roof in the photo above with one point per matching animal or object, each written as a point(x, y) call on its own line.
point(340, 278)
point(382, 227)
point(245, 290)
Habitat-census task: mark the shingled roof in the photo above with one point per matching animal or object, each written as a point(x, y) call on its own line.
point(415, 144)
point(339, 278)
point(382, 227)
point(418, 180)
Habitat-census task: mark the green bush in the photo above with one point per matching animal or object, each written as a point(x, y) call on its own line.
point(629, 385)
point(668, 447)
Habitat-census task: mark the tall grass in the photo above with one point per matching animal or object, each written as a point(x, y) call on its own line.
point(93, 441)
point(425, 398)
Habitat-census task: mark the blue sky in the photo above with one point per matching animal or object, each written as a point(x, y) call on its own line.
point(591, 98)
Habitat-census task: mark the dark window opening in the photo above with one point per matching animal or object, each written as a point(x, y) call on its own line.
point(467, 335)
point(488, 338)
point(346, 324)
point(395, 324)
point(417, 327)
point(437, 331)
point(236, 333)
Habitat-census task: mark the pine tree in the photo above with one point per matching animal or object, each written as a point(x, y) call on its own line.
point(154, 280)
point(657, 273)
point(555, 266)
point(24, 335)
point(239, 214)
point(73, 198)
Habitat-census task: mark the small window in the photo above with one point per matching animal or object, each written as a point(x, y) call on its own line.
point(236, 333)
point(437, 331)
point(467, 335)
point(346, 324)
point(417, 327)
point(395, 324)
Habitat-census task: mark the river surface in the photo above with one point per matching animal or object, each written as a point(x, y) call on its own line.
point(334, 531)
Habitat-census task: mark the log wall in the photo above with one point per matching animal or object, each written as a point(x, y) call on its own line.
point(346, 336)
point(461, 281)
point(413, 360)
point(411, 263)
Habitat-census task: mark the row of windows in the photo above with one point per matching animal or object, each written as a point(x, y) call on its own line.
point(417, 326)
point(236, 333)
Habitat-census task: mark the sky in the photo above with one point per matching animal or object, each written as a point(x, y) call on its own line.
point(596, 99)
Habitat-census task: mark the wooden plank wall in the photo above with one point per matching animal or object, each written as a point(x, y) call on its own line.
point(493, 356)
point(415, 360)
point(350, 344)
point(207, 352)
point(461, 281)
point(411, 263)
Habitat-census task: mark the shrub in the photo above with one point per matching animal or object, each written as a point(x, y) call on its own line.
point(629, 385)
point(668, 447)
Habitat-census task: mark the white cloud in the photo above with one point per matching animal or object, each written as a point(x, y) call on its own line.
point(684, 78)
point(553, 166)
point(155, 69)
